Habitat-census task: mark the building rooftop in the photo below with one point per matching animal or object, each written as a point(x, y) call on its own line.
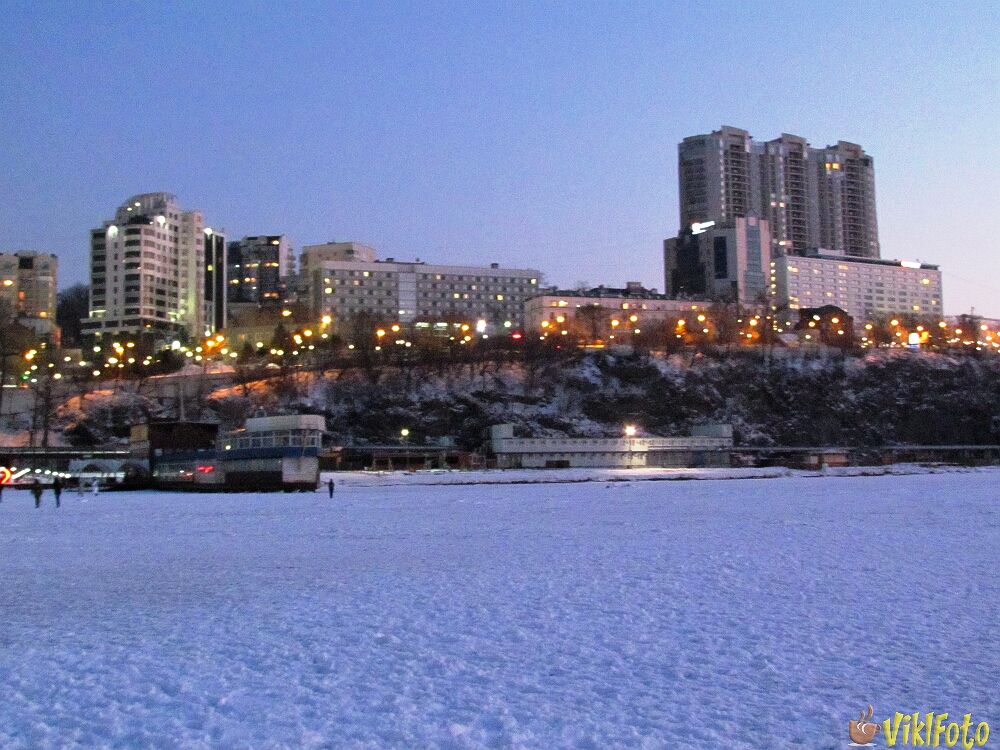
point(872, 261)
point(633, 290)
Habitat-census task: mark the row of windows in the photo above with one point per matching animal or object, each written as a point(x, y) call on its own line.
point(515, 280)
point(276, 439)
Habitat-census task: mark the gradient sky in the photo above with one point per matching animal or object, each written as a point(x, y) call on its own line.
point(536, 135)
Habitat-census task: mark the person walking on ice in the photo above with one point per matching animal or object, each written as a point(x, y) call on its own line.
point(330, 487)
point(57, 490)
point(36, 492)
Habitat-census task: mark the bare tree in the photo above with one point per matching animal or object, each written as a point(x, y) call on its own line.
point(591, 323)
point(43, 379)
point(72, 306)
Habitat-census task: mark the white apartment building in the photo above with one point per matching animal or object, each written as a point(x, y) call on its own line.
point(156, 269)
point(863, 287)
point(28, 285)
point(345, 287)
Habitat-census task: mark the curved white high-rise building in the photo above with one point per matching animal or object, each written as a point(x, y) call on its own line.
point(156, 269)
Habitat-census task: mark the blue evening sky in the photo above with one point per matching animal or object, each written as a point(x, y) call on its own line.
point(536, 135)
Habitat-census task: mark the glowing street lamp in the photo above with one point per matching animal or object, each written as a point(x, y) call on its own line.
point(630, 430)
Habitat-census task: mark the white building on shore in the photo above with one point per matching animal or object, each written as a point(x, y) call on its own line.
point(709, 445)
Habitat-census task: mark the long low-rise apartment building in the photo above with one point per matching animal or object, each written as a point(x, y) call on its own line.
point(608, 308)
point(865, 288)
point(352, 283)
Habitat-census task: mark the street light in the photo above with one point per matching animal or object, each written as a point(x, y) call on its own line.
point(630, 432)
point(405, 433)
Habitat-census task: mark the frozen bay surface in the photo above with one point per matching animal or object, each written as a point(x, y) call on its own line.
point(746, 613)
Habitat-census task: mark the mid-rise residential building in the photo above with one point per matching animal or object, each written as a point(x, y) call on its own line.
point(865, 288)
point(609, 309)
point(28, 285)
point(725, 261)
point(346, 280)
point(156, 269)
point(811, 197)
point(257, 268)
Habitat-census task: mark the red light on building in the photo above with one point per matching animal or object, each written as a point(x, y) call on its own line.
point(517, 336)
point(204, 469)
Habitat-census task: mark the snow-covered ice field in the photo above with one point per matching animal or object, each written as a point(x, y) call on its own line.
point(757, 613)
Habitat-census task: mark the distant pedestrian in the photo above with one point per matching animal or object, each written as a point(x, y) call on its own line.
point(1, 493)
point(57, 489)
point(330, 487)
point(36, 492)
point(95, 487)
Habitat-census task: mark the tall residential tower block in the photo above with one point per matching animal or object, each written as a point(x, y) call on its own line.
point(158, 270)
point(812, 198)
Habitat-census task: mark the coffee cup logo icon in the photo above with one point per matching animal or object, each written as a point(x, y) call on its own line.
point(863, 731)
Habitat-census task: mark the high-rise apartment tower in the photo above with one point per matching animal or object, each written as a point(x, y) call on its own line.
point(258, 267)
point(156, 269)
point(812, 198)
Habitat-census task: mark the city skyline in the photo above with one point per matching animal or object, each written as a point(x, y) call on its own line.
point(533, 138)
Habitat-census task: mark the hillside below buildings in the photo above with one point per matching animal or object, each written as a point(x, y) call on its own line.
point(771, 399)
